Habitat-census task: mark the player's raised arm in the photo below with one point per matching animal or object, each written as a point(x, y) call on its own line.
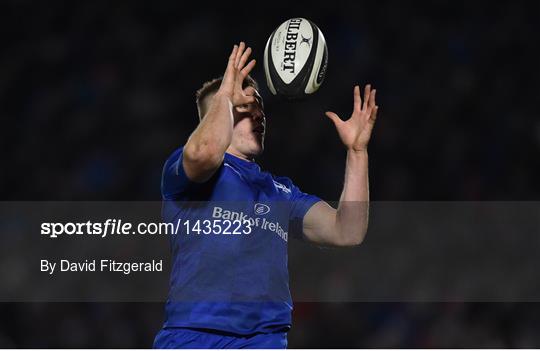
point(347, 225)
point(205, 148)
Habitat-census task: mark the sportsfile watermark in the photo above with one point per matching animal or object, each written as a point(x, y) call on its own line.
point(119, 227)
point(222, 222)
point(445, 251)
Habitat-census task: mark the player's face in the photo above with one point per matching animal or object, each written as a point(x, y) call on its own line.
point(249, 127)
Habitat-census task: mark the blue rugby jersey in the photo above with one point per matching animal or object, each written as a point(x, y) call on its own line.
point(237, 283)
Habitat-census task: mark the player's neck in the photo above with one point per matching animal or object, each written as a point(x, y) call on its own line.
point(240, 155)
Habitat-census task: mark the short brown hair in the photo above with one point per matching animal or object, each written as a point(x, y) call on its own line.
point(212, 86)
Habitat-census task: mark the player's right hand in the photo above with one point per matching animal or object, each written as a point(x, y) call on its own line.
point(234, 76)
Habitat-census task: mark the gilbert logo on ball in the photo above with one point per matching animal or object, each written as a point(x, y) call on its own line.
point(295, 59)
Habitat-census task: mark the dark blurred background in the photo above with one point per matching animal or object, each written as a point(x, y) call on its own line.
point(94, 96)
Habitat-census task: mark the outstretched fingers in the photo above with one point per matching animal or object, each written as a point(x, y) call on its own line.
point(239, 54)
point(246, 70)
point(367, 93)
point(372, 103)
point(373, 116)
point(243, 59)
point(334, 117)
point(232, 56)
point(373, 107)
point(228, 77)
point(357, 105)
point(242, 56)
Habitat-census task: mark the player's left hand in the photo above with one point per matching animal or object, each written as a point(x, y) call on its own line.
point(356, 131)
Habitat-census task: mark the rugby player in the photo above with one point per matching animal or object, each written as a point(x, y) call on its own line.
point(229, 290)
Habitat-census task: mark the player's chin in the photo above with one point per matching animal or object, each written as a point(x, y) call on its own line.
point(258, 150)
point(258, 145)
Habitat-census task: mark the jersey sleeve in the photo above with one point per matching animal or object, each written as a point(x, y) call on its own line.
point(300, 204)
point(174, 182)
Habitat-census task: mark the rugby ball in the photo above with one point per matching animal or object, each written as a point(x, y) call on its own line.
point(295, 59)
